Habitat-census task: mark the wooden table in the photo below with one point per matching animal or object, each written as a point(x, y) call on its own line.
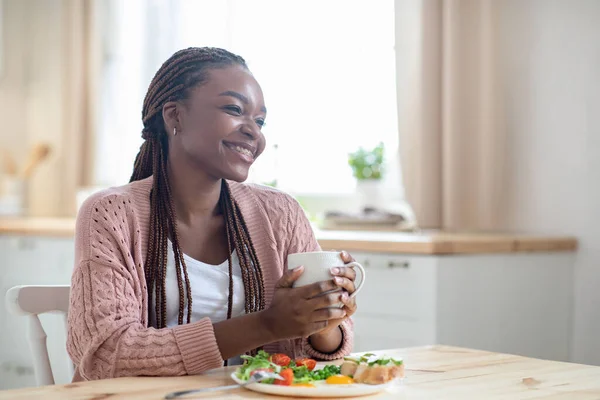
point(433, 372)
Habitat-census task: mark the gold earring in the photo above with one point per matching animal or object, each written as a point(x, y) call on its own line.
point(174, 131)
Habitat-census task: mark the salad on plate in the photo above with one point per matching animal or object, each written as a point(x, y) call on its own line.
point(367, 369)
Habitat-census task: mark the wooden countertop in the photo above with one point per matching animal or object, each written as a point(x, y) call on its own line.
point(56, 227)
point(433, 372)
point(426, 242)
point(435, 242)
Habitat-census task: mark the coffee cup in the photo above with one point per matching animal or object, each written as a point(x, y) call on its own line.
point(317, 267)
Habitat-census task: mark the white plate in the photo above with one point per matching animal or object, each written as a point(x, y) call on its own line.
point(321, 390)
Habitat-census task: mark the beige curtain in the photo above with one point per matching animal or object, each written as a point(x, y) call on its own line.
point(62, 54)
point(449, 112)
point(84, 52)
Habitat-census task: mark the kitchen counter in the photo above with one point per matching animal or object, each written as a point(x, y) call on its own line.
point(436, 242)
point(54, 227)
point(425, 242)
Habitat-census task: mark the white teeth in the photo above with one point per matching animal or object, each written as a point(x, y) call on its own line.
point(243, 151)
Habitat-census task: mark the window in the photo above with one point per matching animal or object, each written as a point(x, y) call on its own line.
point(327, 69)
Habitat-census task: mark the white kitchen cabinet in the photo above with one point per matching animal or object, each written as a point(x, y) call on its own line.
point(517, 303)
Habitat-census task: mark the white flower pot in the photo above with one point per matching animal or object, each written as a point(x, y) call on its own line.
point(370, 192)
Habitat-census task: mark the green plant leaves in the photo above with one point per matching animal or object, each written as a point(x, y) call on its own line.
point(367, 164)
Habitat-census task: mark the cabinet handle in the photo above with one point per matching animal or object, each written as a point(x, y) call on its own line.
point(398, 264)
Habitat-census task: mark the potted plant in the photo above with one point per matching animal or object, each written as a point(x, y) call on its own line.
point(367, 168)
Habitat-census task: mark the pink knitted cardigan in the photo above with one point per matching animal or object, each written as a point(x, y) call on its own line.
point(108, 333)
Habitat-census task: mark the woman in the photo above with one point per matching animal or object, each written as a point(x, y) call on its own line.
point(184, 267)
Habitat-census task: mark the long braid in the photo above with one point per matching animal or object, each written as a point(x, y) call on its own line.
point(255, 276)
point(230, 264)
point(253, 260)
point(173, 81)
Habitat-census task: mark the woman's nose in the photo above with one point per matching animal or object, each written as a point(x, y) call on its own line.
point(251, 129)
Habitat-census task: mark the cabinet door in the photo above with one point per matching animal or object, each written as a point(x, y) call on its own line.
point(396, 306)
point(378, 333)
point(515, 303)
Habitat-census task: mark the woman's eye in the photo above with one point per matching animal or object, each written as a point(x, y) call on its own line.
point(234, 109)
point(260, 122)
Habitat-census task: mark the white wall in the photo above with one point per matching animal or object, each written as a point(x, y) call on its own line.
point(550, 55)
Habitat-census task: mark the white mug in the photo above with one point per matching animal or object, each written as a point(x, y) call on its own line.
point(317, 268)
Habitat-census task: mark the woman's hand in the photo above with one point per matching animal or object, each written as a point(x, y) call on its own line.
point(344, 278)
point(303, 311)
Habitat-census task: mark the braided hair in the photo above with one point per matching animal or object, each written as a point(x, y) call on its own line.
point(174, 80)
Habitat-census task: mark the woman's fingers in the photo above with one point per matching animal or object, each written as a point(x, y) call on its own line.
point(328, 300)
point(317, 289)
point(346, 257)
point(344, 272)
point(289, 277)
point(328, 314)
point(345, 284)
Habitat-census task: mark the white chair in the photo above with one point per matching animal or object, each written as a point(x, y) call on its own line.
point(30, 301)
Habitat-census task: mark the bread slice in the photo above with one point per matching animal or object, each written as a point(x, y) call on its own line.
point(372, 370)
point(380, 374)
point(349, 368)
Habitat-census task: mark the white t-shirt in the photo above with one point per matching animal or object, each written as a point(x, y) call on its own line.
point(210, 291)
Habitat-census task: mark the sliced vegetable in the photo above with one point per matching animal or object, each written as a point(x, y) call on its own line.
point(385, 361)
point(281, 359)
point(365, 357)
point(288, 378)
point(308, 362)
point(298, 372)
point(302, 374)
point(260, 361)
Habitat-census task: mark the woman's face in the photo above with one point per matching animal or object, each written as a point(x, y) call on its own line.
point(219, 125)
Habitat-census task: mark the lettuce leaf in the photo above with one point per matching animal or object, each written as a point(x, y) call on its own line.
point(301, 373)
point(261, 360)
point(385, 361)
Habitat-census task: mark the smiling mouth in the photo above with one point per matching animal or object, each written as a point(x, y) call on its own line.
point(241, 150)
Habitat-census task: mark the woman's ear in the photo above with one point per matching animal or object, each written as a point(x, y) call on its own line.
point(171, 116)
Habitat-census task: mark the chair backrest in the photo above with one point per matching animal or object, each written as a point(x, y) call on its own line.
point(30, 301)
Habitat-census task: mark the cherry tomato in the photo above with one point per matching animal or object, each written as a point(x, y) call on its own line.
point(288, 378)
point(280, 359)
point(309, 362)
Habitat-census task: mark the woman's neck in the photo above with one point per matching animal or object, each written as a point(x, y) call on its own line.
point(195, 194)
